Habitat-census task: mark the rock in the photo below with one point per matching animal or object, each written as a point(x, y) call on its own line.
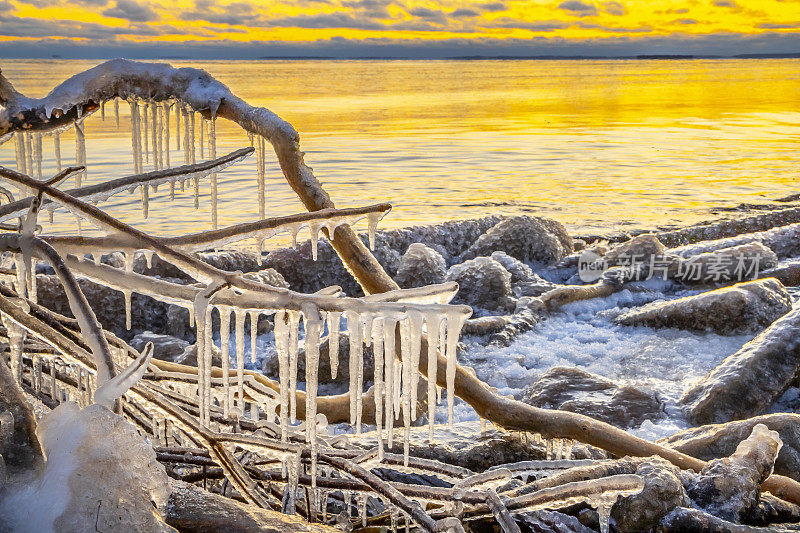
point(484, 283)
point(19, 447)
point(573, 389)
point(108, 305)
point(551, 522)
point(578, 245)
point(740, 309)
point(720, 440)
point(639, 249)
point(189, 356)
point(737, 263)
point(268, 276)
point(746, 383)
point(662, 492)
point(519, 271)
point(466, 446)
point(534, 288)
point(420, 266)
point(193, 509)
point(729, 488)
point(165, 347)
point(100, 474)
point(783, 240)
point(177, 323)
point(270, 366)
point(525, 238)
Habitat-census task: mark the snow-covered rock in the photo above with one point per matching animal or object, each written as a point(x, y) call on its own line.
point(638, 249)
point(742, 308)
point(737, 263)
point(420, 266)
point(100, 475)
point(720, 440)
point(268, 276)
point(525, 238)
point(573, 389)
point(662, 492)
point(730, 487)
point(483, 283)
point(519, 271)
point(746, 383)
point(165, 347)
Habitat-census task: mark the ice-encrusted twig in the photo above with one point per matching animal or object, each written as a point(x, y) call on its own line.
point(103, 191)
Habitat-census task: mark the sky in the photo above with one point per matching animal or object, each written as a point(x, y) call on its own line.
point(245, 29)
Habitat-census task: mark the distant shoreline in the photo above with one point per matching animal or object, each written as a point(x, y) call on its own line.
point(637, 57)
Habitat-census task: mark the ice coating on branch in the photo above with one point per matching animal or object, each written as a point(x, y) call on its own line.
point(109, 391)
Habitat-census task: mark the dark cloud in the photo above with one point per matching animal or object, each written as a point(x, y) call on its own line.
point(724, 3)
point(685, 21)
point(464, 13)
point(325, 20)
point(614, 29)
point(107, 46)
point(131, 11)
point(614, 8)
point(680, 11)
point(577, 7)
point(376, 9)
point(236, 14)
point(494, 7)
point(430, 15)
point(49, 3)
point(778, 25)
point(511, 23)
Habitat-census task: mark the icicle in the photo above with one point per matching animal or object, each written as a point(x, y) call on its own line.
point(127, 294)
point(158, 110)
point(225, 345)
point(37, 150)
point(372, 225)
point(362, 509)
point(291, 486)
point(408, 393)
point(192, 159)
point(314, 229)
point(261, 163)
point(377, 351)
point(313, 327)
point(116, 111)
point(454, 324)
point(53, 392)
point(103, 110)
point(239, 316)
point(28, 153)
point(167, 107)
point(212, 141)
point(356, 367)
point(432, 321)
point(294, 324)
point(178, 112)
point(57, 149)
point(19, 145)
point(334, 317)
point(208, 346)
point(146, 132)
point(282, 347)
point(154, 133)
point(415, 319)
point(389, 349)
point(16, 338)
point(200, 141)
point(253, 334)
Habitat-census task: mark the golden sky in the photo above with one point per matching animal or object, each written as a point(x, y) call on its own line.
point(371, 25)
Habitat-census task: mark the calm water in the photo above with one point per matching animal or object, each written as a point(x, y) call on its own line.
point(598, 145)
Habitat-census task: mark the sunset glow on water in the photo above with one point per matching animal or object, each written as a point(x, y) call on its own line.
point(600, 145)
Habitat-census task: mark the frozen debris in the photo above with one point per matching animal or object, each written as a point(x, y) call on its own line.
point(663, 491)
point(728, 488)
point(19, 447)
point(740, 309)
point(782, 240)
point(737, 263)
point(420, 266)
point(97, 466)
point(483, 283)
point(640, 248)
point(166, 347)
point(573, 389)
point(526, 238)
point(746, 383)
point(520, 272)
point(720, 440)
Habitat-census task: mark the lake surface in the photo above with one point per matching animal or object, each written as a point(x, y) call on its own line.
point(598, 145)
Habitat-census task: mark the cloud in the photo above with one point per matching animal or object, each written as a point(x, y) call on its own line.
point(464, 13)
point(778, 25)
point(512, 23)
point(577, 7)
point(325, 20)
point(131, 11)
point(615, 29)
point(236, 14)
point(494, 7)
point(724, 3)
point(430, 15)
point(685, 21)
point(614, 8)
